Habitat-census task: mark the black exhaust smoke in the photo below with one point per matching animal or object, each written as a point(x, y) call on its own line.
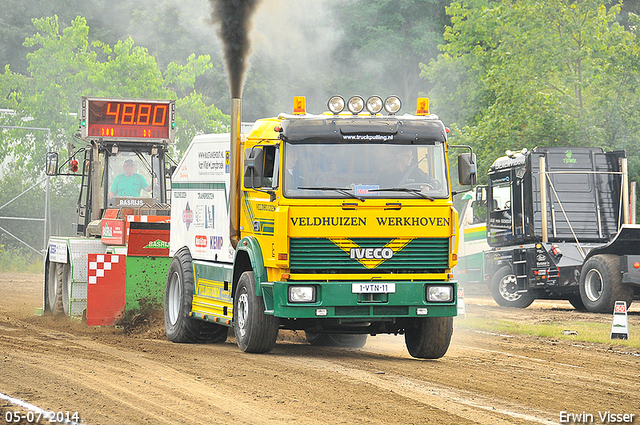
point(233, 17)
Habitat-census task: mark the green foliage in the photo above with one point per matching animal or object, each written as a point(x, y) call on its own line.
point(19, 260)
point(197, 118)
point(517, 74)
point(63, 66)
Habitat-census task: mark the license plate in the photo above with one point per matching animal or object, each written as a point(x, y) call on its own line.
point(373, 288)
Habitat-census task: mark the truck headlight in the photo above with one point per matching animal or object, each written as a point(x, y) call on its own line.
point(440, 294)
point(392, 104)
point(302, 294)
point(336, 104)
point(355, 105)
point(374, 104)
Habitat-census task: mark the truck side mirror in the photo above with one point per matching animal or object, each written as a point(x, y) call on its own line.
point(51, 166)
point(467, 169)
point(253, 167)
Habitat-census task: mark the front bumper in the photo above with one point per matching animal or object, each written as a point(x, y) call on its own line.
point(336, 300)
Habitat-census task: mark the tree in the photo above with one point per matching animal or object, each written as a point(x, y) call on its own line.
point(520, 73)
point(384, 42)
point(63, 66)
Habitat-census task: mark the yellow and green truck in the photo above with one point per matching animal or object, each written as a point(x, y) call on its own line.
point(340, 225)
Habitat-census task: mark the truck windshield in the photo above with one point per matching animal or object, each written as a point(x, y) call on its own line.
point(365, 171)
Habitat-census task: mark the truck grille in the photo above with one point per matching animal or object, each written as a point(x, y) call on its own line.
point(321, 255)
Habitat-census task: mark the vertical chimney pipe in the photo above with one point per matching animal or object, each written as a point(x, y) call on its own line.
point(234, 190)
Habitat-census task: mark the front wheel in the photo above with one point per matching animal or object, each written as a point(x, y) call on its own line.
point(256, 332)
point(178, 297)
point(601, 284)
point(504, 290)
point(428, 337)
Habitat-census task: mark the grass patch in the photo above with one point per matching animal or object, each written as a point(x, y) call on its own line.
point(18, 260)
point(586, 332)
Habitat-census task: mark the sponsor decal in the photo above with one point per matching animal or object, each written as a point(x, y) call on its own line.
point(187, 216)
point(211, 162)
point(157, 244)
point(130, 202)
point(201, 241)
point(414, 221)
point(367, 190)
point(362, 221)
point(180, 195)
point(211, 155)
point(568, 157)
point(184, 172)
point(371, 257)
point(215, 242)
point(106, 231)
point(376, 137)
point(329, 221)
point(227, 161)
point(370, 253)
point(265, 207)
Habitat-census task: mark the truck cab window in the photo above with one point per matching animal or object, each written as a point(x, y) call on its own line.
point(270, 166)
point(500, 216)
point(330, 170)
point(130, 176)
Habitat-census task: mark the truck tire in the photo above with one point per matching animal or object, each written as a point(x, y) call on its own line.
point(428, 337)
point(178, 296)
point(58, 288)
point(51, 286)
point(576, 302)
point(337, 340)
point(256, 332)
point(504, 290)
point(601, 284)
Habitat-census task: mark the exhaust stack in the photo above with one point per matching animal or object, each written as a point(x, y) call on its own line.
point(234, 190)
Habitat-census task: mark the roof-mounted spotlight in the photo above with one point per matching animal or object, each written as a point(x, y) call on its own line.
point(355, 104)
point(336, 104)
point(392, 104)
point(374, 105)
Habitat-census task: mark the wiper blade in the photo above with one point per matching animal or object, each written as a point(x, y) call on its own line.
point(405, 189)
point(337, 189)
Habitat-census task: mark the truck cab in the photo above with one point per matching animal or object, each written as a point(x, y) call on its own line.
point(346, 229)
point(549, 211)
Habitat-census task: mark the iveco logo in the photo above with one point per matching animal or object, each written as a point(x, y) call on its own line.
point(371, 253)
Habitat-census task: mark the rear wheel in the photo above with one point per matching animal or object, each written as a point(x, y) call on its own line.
point(428, 337)
point(51, 286)
point(337, 340)
point(601, 284)
point(179, 326)
point(576, 302)
point(58, 288)
point(504, 290)
point(256, 332)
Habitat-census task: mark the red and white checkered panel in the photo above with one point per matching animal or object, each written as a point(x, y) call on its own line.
point(106, 286)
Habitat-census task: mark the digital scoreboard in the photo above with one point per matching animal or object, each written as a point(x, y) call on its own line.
point(127, 119)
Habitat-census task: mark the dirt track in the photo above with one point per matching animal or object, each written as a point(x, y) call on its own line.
point(136, 376)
